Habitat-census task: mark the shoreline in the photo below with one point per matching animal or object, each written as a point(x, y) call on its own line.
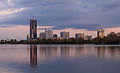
point(57, 44)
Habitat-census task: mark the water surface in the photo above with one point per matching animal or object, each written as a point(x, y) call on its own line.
point(59, 59)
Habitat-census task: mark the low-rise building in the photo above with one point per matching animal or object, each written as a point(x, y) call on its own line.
point(79, 35)
point(49, 34)
point(87, 37)
point(64, 35)
point(42, 35)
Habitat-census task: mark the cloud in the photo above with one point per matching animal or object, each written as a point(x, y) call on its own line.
point(78, 14)
point(10, 3)
point(70, 13)
point(10, 11)
point(108, 30)
point(45, 27)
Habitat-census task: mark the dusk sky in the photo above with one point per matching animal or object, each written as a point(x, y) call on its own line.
point(77, 15)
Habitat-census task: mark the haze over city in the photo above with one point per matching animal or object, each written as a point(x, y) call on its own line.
point(84, 16)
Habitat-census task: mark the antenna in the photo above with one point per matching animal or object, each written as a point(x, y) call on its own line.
point(33, 17)
point(101, 26)
point(45, 29)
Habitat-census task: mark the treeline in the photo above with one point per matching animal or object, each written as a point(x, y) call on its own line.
point(45, 41)
point(112, 38)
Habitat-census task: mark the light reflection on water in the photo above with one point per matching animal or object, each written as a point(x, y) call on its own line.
point(59, 59)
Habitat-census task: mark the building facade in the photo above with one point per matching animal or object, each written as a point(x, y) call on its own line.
point(28, 37)
point(33, 29)
point(49, 34)
point(64, 35)
point(42, 35)
point(100, 33)
point(79, 35)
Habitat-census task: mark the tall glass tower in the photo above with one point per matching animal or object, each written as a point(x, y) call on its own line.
point(33, 29)
point(100, 33)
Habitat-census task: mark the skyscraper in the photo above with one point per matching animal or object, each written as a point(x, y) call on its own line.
point(49, 34)
point(33, 29)
point(100, 33)
point(28, 37)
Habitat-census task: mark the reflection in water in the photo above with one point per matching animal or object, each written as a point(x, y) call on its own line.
point(108, 52)
point(33, 56)
point(59, 58)
point(65, 51)
point(50, 53)
point(101, 52)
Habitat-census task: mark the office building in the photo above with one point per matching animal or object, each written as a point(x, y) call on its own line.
point(33, 29)
point(100, 33)
point(28, 37)
point(49, 34)
point(79, 35)
point(42, 35)
point(64, 35)
point(87, 37)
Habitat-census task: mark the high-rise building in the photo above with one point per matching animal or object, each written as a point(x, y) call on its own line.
point(49, 34)
point(64, 35)
point(33, 29)
point(100, 33)
point(79, 35)
point(28, 37)
point(42, 35)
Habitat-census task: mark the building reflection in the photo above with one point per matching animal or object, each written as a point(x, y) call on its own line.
point(33, 56)
point(65, 51)
point(50, 53)
point(114, 52)
point(108, 52)
point(101, 52)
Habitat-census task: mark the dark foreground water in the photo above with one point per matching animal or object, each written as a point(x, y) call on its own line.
point(59, 59)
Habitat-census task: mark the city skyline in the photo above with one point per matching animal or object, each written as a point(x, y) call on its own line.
point(83, 15)
point(59, 36)
point(12, 32)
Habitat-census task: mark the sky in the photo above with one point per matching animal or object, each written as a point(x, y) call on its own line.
point(76, 15)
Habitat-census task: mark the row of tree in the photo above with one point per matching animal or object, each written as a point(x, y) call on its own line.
point(112, 38)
